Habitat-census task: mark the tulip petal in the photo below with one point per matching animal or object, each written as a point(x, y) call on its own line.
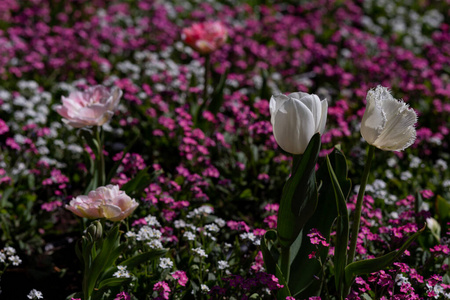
point(374, 119)
point(276, 101)
point(293, 126)
point(323, 118)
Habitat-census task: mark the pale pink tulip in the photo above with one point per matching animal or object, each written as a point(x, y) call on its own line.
point(205, 37)
point(93, 107)
point(105, 202)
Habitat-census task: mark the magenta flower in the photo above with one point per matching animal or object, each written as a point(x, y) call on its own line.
point(181, 277)
point(205, 37)
point(105, 202)
point(93, 107)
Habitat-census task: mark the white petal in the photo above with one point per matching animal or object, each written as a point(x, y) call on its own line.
point(323, 117)
point(313, 104)
point(294, 126)
point(373, 120)
point(276, 101)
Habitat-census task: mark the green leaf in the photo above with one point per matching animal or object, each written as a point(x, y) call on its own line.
point(299, 197)
point(302, 281)
point(136, 186)
point(372, 265)
point(340, 251)
point(442, 208)
point(217, 96)
point(269, 251)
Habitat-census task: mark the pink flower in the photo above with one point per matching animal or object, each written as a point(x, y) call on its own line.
point(93, 107)
point(181, 276)
point(105, 202)
point(205, 37)
point(163, 289)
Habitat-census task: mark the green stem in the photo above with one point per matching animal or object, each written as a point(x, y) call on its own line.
point(100, 158)
point(285, 262)
point(359, 202)
point(206, 83)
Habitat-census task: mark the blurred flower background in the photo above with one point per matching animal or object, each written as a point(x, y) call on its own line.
point(197, 153)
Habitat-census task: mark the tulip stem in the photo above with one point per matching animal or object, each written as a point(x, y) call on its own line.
point(100, 158)
point(359, 202)
point(206, 84)
point(285, 262)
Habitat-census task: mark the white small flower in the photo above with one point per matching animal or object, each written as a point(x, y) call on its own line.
point(441, 164)
point(9, 250)
point(223, 264)
point(405, 175)
point(152, 221)
point(200, 252)
point(165, 263)
point(179, 224)
point(220, 222)
point(130, 234)
point(15, 260)
point(2, 257)
point(415, 162)
point(35, 294)
point(212, 228)
point(122, 272)
point(388, 124)
point(189, 236)
point(147, 233)
point(155, 244)
point(204, 288)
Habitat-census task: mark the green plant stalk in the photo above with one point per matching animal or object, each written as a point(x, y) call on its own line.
point(359, 202)
point(206, 83)
point(285, 262)
point(99, 157)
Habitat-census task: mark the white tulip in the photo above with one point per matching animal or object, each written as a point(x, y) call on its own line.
point(388, 123)
point(296, 118)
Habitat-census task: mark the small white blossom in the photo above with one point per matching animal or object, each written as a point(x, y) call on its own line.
point(200, 252)
point(15, 260)
point(405, 175)
point(223, 264)
point(415, 162)
point(220, 222)
point(212, 228)
point(165, 263)
point(151, 221)
point(122, 272)
point(35, 294)
point(155, 244)
point(147, 233)
point(2, 257)
point(9, 250)
point(189, 236)
point(204, 288)
point(179, 224)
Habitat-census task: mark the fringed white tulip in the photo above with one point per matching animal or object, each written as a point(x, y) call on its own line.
point(388, 124)
point(296, 118)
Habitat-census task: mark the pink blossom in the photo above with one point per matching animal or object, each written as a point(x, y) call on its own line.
point(205, 37)
point(105, 202)
point(163, 290)
point(93, 107)
point(181, 277)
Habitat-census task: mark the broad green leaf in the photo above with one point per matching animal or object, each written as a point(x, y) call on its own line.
point(442, 208)
point(340, 251)
point(112, 282)
point(299, 197)
point(302, 281)
point(270, 253)
point(373, 265)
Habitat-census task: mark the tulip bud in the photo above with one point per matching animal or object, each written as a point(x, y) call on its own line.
point(296, 118)
point(388, 123)
point(94, 231)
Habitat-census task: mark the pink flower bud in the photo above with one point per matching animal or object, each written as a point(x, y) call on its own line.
point(205, 37)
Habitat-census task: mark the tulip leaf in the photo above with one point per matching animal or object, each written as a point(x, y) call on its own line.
point(442, 208)
point(269, 252)
point(340, 251)
point(299, 197)
point(270, 256)
point(304, 281)
point(373, 265)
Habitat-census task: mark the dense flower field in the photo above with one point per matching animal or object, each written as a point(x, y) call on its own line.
point(138, 161)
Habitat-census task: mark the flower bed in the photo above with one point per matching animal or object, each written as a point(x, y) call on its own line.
point(139, 153)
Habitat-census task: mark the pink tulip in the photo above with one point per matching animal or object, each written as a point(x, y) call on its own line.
point(205, 37)
point(105, 202)
point(93, 107)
